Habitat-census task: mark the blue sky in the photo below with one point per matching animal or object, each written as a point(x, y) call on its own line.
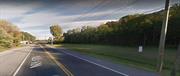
point(36, 16)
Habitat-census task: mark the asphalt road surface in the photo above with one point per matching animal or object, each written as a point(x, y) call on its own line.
point(73, 66)
point(46, 68)
point(10, 60)
point(36, 60)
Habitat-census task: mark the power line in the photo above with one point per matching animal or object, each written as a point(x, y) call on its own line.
point(153, 10)
point(146, 12)
point(158, 9)
point(105, 3)
point(95, 7)
point(122, 8)
point(100, 4)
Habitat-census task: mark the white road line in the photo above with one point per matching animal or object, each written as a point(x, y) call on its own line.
point(97, 64)
point(17, 70)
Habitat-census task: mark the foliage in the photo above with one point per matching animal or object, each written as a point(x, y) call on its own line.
point(27, 36)
point(138, 29)
point(56, 31)
point(9, 34)
point(5, 39)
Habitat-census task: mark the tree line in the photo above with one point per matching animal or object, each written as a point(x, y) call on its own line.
point(10, 35)
point(138, 29)
point(27, 37)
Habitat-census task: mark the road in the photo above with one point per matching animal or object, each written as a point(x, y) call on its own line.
point(10, 60)
point(39, 60)
point(47, 67)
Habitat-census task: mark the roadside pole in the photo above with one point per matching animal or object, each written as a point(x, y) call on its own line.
point(22, 37)
point(51, 40)
point(163, 38)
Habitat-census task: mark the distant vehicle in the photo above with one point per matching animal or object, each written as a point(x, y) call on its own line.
point(25, 42)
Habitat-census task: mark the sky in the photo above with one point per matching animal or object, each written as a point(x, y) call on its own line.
point(36, 16)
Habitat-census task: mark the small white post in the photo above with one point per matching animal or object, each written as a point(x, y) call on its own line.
point(51, 40)
point(140, 49)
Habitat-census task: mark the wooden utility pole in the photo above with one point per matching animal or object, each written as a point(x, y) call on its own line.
point(163, 38)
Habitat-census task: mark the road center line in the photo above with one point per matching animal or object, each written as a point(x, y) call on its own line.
point(68, 73)
point(17, 70)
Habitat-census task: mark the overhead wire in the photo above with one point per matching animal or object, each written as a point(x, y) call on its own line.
point(122, 8)
point(103, 3)
point(157, 9)
point(100, 4)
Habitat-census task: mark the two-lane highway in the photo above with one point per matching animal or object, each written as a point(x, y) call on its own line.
point(56, 63)
point(40, 60)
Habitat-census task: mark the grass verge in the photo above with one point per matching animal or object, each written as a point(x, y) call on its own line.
point(6, 48)
point(3, 49)
point(126, 55)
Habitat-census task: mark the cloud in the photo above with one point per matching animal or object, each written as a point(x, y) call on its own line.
point(35, 16)
point(13, 10)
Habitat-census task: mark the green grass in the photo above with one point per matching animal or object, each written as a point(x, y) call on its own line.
point(3, 49)
point(146, 60)
point(6, 48)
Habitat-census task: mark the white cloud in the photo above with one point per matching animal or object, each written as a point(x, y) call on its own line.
point(31, 15)
point(12, 10)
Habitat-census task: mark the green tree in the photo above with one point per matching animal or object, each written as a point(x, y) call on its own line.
point(5, 39)
point(27, 36)
point(138, 29)
point(57, 32)
point(11, 31)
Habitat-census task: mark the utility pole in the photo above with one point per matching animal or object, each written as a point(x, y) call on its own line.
point(163, 38)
